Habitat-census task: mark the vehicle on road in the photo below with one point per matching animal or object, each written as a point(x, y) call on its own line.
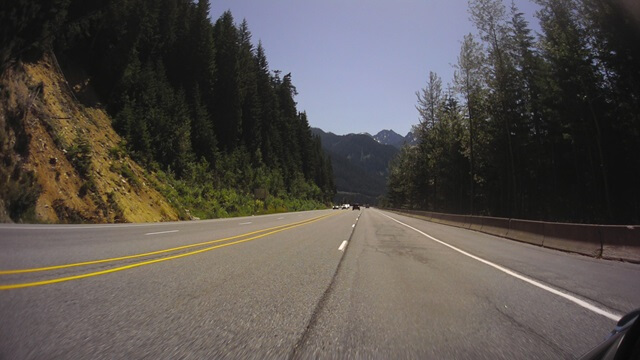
point(346, 206)
point(336, 207)
point(355, 207)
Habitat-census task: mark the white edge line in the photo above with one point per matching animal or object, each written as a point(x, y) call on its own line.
point(343, 245)
point(584, 304)
point(162, 232)
point(245, 223)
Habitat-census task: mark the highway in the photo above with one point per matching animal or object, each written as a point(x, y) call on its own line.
point(318, 284)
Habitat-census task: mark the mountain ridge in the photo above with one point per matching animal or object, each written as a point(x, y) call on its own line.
point(387, 137)
point(390, 137)
point(360, 165)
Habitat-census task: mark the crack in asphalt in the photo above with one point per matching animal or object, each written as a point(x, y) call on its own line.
point(295, 352)
point(531, 332)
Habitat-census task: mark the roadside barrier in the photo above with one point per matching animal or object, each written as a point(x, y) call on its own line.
point(578, 238)
point(616, 242)
point(531, 232)
point(495, 226)
point(475, 223)
point(455, 220)
point(621, 242)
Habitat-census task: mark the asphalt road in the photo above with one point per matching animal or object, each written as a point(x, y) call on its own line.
point(278, 286)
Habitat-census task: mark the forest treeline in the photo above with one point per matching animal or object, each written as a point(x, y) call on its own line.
point(541, 126)
point(192, 98)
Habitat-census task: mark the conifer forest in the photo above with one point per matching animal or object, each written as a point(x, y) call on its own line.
point(541, 125)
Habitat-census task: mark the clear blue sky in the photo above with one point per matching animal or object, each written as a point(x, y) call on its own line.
point(356, 63)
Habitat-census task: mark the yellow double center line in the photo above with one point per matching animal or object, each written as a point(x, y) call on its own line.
point(270, 231)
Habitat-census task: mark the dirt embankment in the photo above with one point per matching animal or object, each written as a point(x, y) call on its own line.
point(71, 151)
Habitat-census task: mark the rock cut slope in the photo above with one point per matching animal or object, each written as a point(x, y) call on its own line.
point(76, 160)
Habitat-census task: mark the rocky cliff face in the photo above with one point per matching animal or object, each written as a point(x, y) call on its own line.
point(62, 160)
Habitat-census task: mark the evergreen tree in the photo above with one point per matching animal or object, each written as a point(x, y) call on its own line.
point(613, 34)
point(28, 27)
point(547, 128)
point(271, 141)
point(529, 87)
point(489, 17)
point(251, 116)
point(576, 103)
point(189, 96)
point(226, 106)
point(469, 82)
point(203, 137)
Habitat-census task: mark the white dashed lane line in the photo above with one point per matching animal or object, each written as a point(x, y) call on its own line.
point(162, 232)
point(343, 245)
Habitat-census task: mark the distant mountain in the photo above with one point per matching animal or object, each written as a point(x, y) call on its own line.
point(360, 165)
point(390, 137)
point(411, 139)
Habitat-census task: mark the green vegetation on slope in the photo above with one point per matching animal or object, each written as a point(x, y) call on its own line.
point(200, 195)
point(185, 94)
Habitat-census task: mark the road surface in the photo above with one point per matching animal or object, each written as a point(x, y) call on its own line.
point(320, 284)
